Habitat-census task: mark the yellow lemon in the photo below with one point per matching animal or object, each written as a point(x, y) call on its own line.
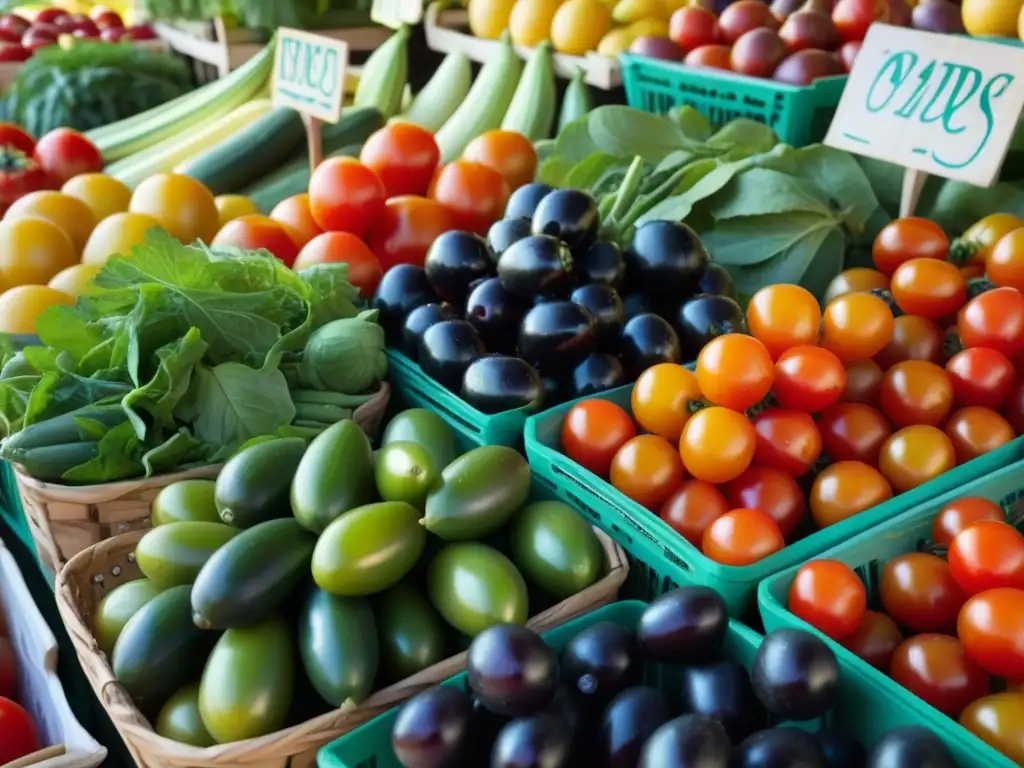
point(628, 11)
point(32, 250)
point(182, 205)
point(117, 234)
point(230, 207)
point(615, 42)
point(579, 25)
point(104, 194)
point(648, 28)
point(22, 305)
point(67, 212)
point(530, 21)
point(75, 280)
point(489, 18)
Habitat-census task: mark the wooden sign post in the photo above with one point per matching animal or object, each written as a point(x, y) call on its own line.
point(396, 13)
point(309, 77)
point(935, 104)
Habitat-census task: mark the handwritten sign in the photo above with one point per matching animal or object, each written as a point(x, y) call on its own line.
point(309, 74)
point(396, 13)
point(936, 104)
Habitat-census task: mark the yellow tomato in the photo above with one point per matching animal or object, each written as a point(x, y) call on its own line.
point(984, 18)
point(104, 194)
point(230, 207)
point(20, 306)
point(579, 25)
point(489, 18)
point(75, 280)
point(530, 21)
point(182, 205)
point(32, 250)
point(648, 28)
point(980, 238)
point(615, 42)
point(117, 234)
point(67, 212)
point(630, 11)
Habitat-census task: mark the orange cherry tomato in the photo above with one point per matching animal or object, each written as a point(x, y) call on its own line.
point(919, 591)
point(476, 193)
point(936, 669)
point(987, 555)
point(908, 238)
point(996, 720)
point(593, 432)
point(929, 288)
point(916, 392)
point(808, 379)
point(647, 469)
point(692, 508)
point(863, 383)
point(662, 397)
point(874, 640)
point(990, 626)
point(845, 489)
point(958, 515)
point(1004, 266)
point(828, 595)
point(913, 338)
point(783, 316)
point(915, 455)
point(975, 431)
point(856, 326)
point(254, 231)
point(712, 56)
point(993, 319)
point(853, 432)
point(364, 270)
point(741, 537)
point(717, 445)
point(855, 280)
point(295, 213)
point(407, 228)
point(509, 153)
point(734, 371)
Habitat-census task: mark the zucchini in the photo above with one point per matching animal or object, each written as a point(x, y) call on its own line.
point(289, 180)
point(248, 154)
point(50, 462)
point(62, 429)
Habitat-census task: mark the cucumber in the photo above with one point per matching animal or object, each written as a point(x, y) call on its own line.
point(248, 154)
point(255, 484)
point(61, 430)
point(576, 102)
point(50, 462)
point(532, 111)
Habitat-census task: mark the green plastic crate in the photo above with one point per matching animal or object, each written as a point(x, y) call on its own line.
point(661, 559)
point(799, 115)
point(859, 707)
point(417, 390)
point(867, 555)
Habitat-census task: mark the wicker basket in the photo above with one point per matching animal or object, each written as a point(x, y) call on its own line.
point(92, 573)
point(65, 519)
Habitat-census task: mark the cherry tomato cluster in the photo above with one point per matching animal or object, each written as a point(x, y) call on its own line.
point(18, 735)
point(951, 625)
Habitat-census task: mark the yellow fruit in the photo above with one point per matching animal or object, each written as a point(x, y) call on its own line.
point(20, 306)
point(489, 18)
point(615, 42)
point(67, 212)
point(32, 250)
point(75, 280)
point(530, 21)
point(984, 18)
point(579, 25)
point(182, 205)
point(628, 11)
point(231, 207)
point(1020, 23)
point(104, 194)
point(671, 6)
point(117, 234)
point(648, 27)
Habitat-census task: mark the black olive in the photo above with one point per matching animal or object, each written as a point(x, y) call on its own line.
point(666, 258)
point(717, 281)
point(537, 265)
point(455, 260)
point(446, 350)
point(631, 718)
point(779, 748)
point(504, 232)
point(910, 747)
point(598, 373)
point(496, 383)
point(647, 340)
point(689, 623)
point(557, 335)
point(602, 262)
point(722, 690)
point(511, 670)
point(542, 741)
point(690, 741)
point(636, 304)
point(496, 314)
point(417, 322)
point(570, 215)
point(704, 317)
point(795, 675)
point(403, 288)
point(605, 305)
point(432, 728)
point(523, 202)
point(601, 662)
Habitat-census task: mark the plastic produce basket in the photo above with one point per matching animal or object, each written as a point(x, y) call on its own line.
point(661, 559)
point(799, 115)
point(417, 390)
point(867, 554)
point(858, 708)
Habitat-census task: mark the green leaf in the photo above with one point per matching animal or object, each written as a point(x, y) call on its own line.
point(826, 264)
point(748, 134)
point(787, 266)
point(694, 125)
point(178, 449)
point(762, 191)
point(749, 240)
point(14, 397)
point(624, 132)
point(58, 392)
point(588, 173)
point(838, 175)
point(957, 205)
point(119, 457)
point(330, 295)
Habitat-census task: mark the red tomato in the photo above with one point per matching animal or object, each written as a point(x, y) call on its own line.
point(863, 383)
point(734, 371)
point(14, 136)
point(935, 668)
point(919, 591)
point(692, 508)
point(647, 469)
point(509, 153)
point(404, 156)
point(743, 16)
point(19, 175)
point(928, 287)
point(717, 444)
point(916, 392)
point(786, 440)
point(975, 431)
point(808, 379)
point(406, 229)
point(783, 316)
point(845, 489)
point(981, 376)
point(20, 737)
point(994, 319)
point(757, 53)
point(987, 555)
point(990, 626)
point(1013, 408)
point(875, 640)
point(294, 212)
point(913, 338)
point(711, 56)
point(8, 669)
point(828, 595)
point(856, 326)
point(691, 27)
point(770, 491)
point(909, 238)
point(364, 270)
point(853, 17)
point(1004, 265)
point(741, 537)
point(958, 515)
point(592, 433)
point(476, 193)
point(255, 231)
point(853, 432)
point(848, 54)
point(65, 153)
point(914, 455)
point(345, 196)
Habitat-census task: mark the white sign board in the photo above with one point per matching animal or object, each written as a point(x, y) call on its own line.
point(309, 74)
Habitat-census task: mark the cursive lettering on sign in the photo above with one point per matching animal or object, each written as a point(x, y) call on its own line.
point(309, 73)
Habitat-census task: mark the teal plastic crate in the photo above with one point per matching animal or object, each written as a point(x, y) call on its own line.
point(417, 390)
point(661, 559)
point(860, 709)
point(867, 555)
point(799, 115)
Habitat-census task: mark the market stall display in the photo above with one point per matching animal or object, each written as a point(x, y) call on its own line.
point(149, 630)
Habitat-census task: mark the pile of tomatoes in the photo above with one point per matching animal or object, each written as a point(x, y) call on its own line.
point(817, 415)
point(951, 622)
point(18, 735)
point(389, 206)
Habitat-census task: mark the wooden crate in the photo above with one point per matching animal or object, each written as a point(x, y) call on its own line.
point(9, 69)
point(448, 31)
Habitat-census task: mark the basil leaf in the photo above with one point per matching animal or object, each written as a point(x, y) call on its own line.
point(749, 240)
point(762, 191)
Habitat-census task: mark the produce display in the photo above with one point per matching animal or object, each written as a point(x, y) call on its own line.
point(261, 14)
point(605, 699)
point(204, 642)
point(947, 624)
point(22, 35)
